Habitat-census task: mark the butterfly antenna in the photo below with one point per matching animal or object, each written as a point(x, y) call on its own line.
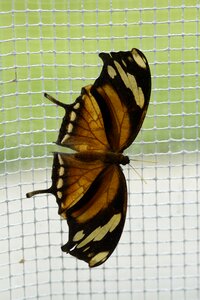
point(52, 99)
point(33, 193)
point(139, 175)
point(141, 160)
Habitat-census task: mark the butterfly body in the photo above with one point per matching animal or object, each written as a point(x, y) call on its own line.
point(89, 185)
point(105, 157)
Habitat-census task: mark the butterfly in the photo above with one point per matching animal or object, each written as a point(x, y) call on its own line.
point(89, 185)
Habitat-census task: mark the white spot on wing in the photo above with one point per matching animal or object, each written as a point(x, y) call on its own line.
point(72, 116)
point(59, 183)
point(89, 238)
point(141, 61)
point(141, 98)
point(63, 215)
point(114, 221)
point(111, 71)
point(98, 258)
point(108, 227)
point(59, 194)
point(122, 73)
point(86, 249)
point(124, 63)
point(61, 171)
point(133, 83)
point(78, 236)
point(65, 138)
point(101, 231)
point(70, 127)
point(136, 90)
point(76, 106)
point(130, 82)
point(60, 160)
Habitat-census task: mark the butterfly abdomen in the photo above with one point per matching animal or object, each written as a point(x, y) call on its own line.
point(105, 157)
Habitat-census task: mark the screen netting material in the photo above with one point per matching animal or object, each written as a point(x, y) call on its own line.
point(52, 46)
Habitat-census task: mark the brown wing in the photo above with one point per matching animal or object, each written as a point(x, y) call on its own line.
point(97, 220)
point(108, 115)
point(71, 179)
point(92, 196)
point(122, 92)
point(82, 127)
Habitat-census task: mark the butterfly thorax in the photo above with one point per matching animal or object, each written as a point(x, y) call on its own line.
point(106, 157)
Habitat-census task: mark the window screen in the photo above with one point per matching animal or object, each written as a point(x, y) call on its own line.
point(53, 46)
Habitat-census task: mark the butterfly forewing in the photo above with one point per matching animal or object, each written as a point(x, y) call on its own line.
point(118, 129)
point(83, 127)
point(123, 91)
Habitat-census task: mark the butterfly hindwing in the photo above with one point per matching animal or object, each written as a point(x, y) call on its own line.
point(92, 196)
point(96, 222)
point(71, 179)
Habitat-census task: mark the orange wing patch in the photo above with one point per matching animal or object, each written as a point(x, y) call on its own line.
point(72, 179)
point(101, 197)
point(120, 120)
point(85, 128)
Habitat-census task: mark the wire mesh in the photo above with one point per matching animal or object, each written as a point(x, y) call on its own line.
point(53, 46)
